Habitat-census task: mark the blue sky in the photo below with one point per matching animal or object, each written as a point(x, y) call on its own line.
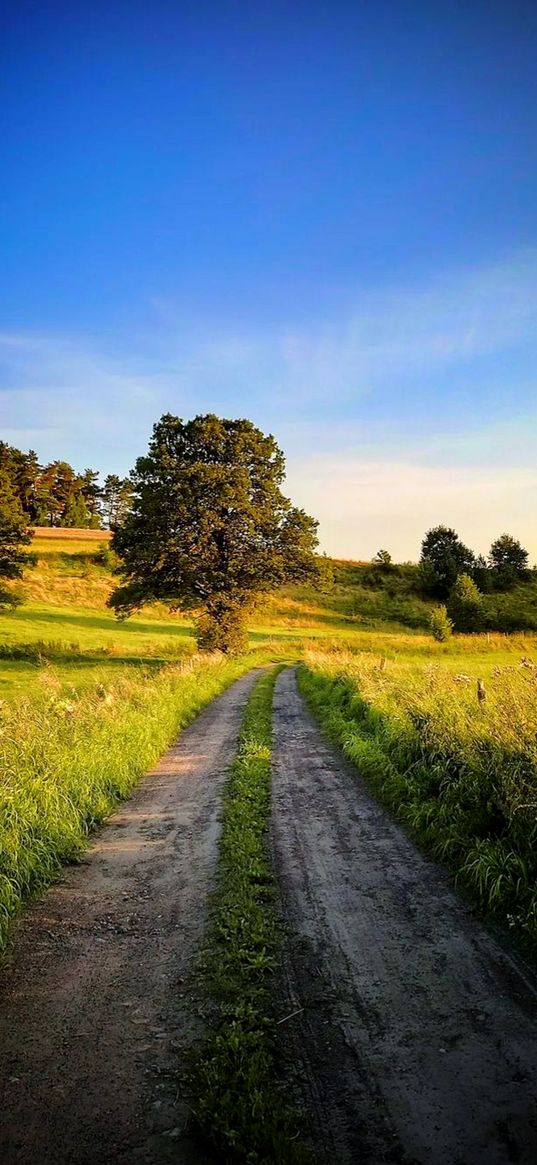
point(319, 215)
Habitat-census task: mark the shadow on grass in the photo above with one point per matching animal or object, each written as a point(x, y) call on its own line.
point(104, 623)
point(65, 657)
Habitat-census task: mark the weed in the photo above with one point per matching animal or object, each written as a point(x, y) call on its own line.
point(239, 1109)
point(66, 758)
point(459, 774)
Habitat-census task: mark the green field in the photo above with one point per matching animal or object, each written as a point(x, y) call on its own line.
point(459, 773)
point(65, 629)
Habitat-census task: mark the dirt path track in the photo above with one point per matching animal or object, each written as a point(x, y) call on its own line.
point(418, 1040)
point(91, 1017)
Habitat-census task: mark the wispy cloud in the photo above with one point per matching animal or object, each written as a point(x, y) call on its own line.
point(393, 397)
point(410, 332)
point(384, 337)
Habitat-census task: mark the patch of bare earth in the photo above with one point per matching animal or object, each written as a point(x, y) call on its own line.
point(417, 1042)
point(94, 1013)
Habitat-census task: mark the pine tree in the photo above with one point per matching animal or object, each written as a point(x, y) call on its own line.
point(92, 494)
point(14, 535)
point(116, 499)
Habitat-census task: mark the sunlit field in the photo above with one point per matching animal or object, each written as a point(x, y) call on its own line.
point(68, 756)
point(458, 771)
point(64, 625)
point(455, 761)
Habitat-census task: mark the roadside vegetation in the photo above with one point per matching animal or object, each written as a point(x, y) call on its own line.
point(425, 674)
point(239, 1108)
point(66, 760)
point(448, 742)
point(64, 646)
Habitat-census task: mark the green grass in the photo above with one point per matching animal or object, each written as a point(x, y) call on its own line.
point(65, 762)
point(240, 1111)
point(64, 644)
point(79, 640)
point(65, 628)
point(459, 774)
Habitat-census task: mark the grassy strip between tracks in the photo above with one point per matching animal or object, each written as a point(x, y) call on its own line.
point(459, 774)
point(66, 762)
point(240, 1110)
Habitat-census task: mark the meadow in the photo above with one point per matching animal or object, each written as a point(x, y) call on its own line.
point(89, 702)
point(456, 766)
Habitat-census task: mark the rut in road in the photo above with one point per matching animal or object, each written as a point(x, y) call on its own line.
point(418, 1041)
point(92, 1022)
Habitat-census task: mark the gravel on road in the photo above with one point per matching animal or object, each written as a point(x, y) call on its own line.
point(95, 1013)
point(418, 1041)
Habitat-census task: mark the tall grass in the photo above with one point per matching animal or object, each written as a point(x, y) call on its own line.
point(66, 761)
point(461, 774)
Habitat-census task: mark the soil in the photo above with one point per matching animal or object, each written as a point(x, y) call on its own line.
point(417, 1041)
point(95, 1015)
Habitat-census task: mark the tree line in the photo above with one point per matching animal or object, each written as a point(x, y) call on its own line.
point(201, 523)
point(451, 573)
point(444, 558)
point(56, 495)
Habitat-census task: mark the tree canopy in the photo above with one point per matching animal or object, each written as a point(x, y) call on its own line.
point(443, 558)
point(14, 536)
point(210, 527)
point(508, 560)
point(465, 605)
point(56, 495)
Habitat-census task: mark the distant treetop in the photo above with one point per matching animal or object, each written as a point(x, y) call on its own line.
point(55, 495)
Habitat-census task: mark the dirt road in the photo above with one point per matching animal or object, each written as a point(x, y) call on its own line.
point(93, 1015)
point(418, 1040)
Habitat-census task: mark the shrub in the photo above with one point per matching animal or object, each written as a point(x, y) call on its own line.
point(383, 558)
point(465, 605)
point(105, 556)
point(440, 624)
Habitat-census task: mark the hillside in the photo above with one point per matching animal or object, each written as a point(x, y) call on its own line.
point(76, 567)
point(64, 629)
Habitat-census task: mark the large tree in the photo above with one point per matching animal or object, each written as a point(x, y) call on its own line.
point(443, 558)
point(210, 527)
